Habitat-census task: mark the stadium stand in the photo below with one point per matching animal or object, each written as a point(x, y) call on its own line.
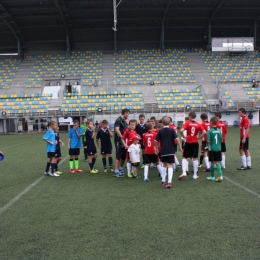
point(25, 103)
point(225, 67)
point(252, 93)
point(8, 70)
point(87, 64)
point(224, 96)
point(108, 101)
point(134, 67)
point(179, 98)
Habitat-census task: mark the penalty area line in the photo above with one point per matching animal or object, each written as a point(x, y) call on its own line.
point(15, 199)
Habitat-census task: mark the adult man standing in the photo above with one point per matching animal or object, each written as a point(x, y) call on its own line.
point(244, 140)
point(120, 127)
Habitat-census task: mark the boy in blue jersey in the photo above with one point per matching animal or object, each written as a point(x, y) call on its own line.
point(91, 148)
point(58, 151)
point(104, 134)
point(49, 138)
point(74, 145)
point(141, 130)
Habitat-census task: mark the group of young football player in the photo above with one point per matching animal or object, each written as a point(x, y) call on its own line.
point(155, 141)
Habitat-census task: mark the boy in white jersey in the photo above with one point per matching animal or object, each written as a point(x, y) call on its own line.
point(134, 154)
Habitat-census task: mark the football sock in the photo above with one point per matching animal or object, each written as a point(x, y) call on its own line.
point(85, 153)
point(170, 173)
point(57, 166)
point(110, 160)
point(71, 164)
point(163, 174)
point(219, 170)
point(206, 160)
point(174, 166)
point(104, 161)
point(159, 168)
point(223, 162)
point(187, 165)
point(248, 160)
point(76, 162)
point(184, 166)
point(212, 170)
point(146, 167)
point(243, 159)
point(129, 167)
point(53, 166)
point(90, 166)
point(201, 159)
point(176, 160)
point(133, 169)
point(195, 167)
point(47, 167)
point(93, 162)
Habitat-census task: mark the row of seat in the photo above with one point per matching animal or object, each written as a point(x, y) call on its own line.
point(181, 106)
point(87, 65)
point(8, 70)
point(112, 108)
point(228, 68)
point(179, 97)
point(142, 67)
point(28, 111)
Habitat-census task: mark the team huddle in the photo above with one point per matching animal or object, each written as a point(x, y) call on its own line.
point(155, 142)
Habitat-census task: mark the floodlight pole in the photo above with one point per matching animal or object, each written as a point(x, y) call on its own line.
point(68, 42)
point(115, 40)
point(162, 29)
point(115, 5)
point(19, 49)
point(209, 35)
point(162, 38)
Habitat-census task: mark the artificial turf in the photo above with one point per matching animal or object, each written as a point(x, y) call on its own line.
point(97, 216)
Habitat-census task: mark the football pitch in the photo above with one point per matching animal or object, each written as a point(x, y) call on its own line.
point(97, 216)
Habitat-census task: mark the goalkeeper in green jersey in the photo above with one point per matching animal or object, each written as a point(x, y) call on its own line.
point(214, 138)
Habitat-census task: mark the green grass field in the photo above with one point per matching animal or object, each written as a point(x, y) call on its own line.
point(85, 216)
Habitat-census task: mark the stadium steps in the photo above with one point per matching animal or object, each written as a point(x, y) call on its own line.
point(55, 106)
point(237, 92)
point(108, 68)
point(23, 73)
point(202, 75)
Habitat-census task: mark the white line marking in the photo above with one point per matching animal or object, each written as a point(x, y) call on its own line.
point(242, 187)
point(11, 202)
point(14, 145)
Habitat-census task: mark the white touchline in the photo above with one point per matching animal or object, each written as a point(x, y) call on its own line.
point(242, 187)
point(13, 145)
point(11, 202)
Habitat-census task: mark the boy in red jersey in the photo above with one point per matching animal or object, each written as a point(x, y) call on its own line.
point(223, 128)
point(244, 140)
point(174, 127)
point(127, 140)
point(191, 148)
point(204, 146)
point(149, 151)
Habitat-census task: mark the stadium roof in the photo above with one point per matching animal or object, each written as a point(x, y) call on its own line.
point(87, 24)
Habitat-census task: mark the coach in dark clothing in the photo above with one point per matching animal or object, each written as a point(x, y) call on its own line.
point(120, 126)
